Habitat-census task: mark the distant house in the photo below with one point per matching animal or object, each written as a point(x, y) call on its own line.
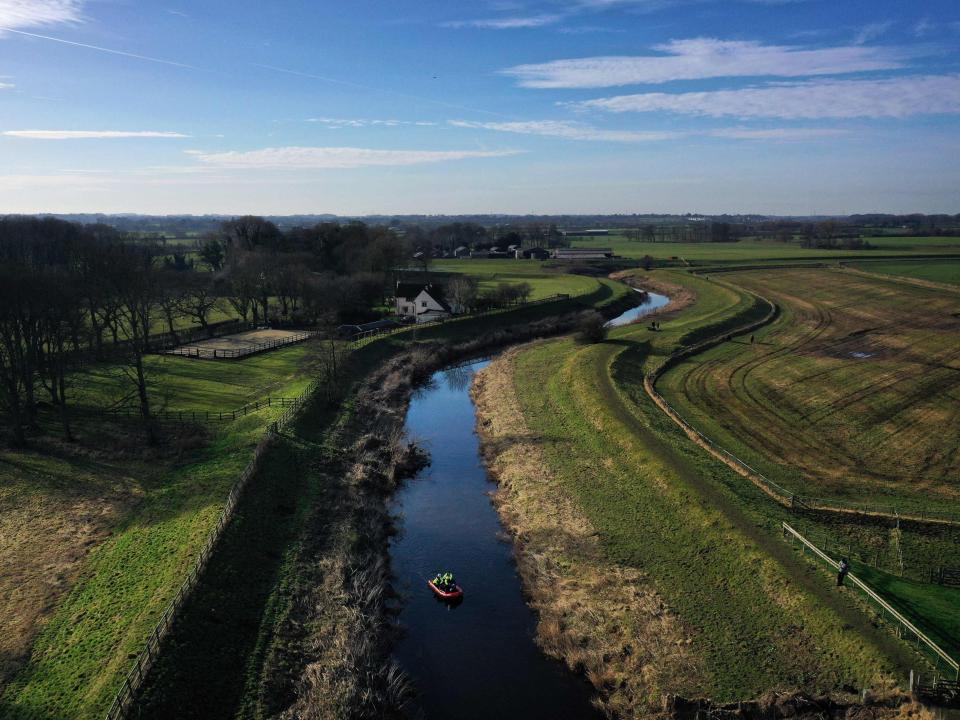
point(582, 253)
point(462, 251)
point(422, 301)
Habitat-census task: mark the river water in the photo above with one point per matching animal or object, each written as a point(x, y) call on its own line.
point(477, 659)
point(652, 302)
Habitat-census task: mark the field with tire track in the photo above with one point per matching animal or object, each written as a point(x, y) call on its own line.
point(852, 394)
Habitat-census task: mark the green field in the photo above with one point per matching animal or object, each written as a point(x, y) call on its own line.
point(127, 520)
point(489, 273)
point(941, 271)
point(748, 251)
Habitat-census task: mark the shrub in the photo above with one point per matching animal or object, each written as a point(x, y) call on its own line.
point(591, 328)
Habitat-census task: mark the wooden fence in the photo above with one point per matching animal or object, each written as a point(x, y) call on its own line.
point(213, 353)
point(945, 576)
point(126, 697)
point(905, 629)
point(204, 416)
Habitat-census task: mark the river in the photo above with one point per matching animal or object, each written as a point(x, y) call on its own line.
point(477, 659)
point(652, 302)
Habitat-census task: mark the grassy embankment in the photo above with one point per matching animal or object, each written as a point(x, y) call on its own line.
point(871, 430)
point(756, 615)
point(100, 533)
point(750, 251)
point(577, 400)
point(155, 510)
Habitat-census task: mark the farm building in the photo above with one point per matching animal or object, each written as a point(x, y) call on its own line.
point(423, 302)
point(582, 253)
point(462, 252)
point(535, 253)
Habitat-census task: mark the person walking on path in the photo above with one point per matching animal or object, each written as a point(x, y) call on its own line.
point(842, 571)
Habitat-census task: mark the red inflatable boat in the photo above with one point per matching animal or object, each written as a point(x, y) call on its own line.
point(454, 594)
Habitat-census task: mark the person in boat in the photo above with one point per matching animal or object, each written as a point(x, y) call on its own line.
point(445, 581)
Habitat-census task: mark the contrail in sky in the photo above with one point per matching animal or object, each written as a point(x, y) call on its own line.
point(101, 49)
point(272, 68)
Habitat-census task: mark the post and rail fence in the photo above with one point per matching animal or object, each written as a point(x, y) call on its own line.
point(212, 353)
point(126, 696)
point(943, 663)
point(945, 576)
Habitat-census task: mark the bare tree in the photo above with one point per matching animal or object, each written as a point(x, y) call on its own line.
point(462, 292)
point(135, 283)
point(198, 299)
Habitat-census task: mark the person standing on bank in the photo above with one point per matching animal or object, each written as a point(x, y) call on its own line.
point(842, 571)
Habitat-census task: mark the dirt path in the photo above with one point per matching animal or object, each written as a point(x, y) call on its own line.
point(798, 571)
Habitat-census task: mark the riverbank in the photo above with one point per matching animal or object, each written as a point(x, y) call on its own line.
point(627, 643)
point(755, 617)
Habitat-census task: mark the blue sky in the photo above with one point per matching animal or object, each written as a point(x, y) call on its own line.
point(540, 106)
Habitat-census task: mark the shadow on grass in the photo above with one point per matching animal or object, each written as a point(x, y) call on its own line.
point(217, 641)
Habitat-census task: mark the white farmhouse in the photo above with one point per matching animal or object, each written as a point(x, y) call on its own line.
point(423, 302)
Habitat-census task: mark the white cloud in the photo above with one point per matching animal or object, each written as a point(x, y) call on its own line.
point(570, 131)
point(5, 85)
point(89, 134)
point(340, 157)
point(577, 131)
point(508, 23)
point(339, 123)
point(698, 58)
point(890, 97)
point(923, 27)
point(871, 31)
point(777, 133)
point(32, 13)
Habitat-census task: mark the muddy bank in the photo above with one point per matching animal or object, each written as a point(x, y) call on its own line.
point(680, 297)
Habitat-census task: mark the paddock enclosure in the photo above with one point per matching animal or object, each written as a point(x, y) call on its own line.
point(232, 347)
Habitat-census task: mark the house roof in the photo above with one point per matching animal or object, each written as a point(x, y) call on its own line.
point(410, 290)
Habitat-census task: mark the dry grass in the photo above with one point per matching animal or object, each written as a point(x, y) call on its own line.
point(603, 620)
point(58, 502)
